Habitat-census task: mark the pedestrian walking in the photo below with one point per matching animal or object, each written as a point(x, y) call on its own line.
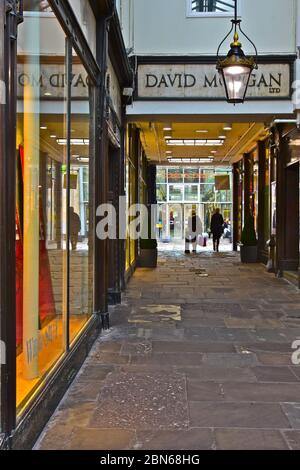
point(75, 227)
point(193, 230)
point(217, 228)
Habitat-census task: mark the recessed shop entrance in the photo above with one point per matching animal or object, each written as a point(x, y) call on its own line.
point(291, 224)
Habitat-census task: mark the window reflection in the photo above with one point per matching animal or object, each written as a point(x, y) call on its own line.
point(81, 248)
point(40, 208)
point(54, 298)
point(36, 5)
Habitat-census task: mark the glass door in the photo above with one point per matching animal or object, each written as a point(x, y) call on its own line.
point(188, 209)
point(176, 221)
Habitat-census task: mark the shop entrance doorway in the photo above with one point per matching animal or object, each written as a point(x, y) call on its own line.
point(292, 231)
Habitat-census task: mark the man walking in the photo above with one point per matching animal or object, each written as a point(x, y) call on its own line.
point(216, 228)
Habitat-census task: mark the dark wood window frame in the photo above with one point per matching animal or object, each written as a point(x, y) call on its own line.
point(12, 10)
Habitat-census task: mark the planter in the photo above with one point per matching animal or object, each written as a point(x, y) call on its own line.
point(249, 254)
point(148, 258)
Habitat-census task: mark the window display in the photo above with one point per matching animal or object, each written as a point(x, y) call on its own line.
point(54, 288)
point(207, 188)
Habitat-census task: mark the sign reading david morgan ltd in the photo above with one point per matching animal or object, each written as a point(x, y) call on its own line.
point(202, 81)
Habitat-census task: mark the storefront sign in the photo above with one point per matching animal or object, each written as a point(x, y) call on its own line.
point(201, 81)
point(51, 80)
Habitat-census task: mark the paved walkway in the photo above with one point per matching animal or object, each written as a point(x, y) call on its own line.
point(199, 357)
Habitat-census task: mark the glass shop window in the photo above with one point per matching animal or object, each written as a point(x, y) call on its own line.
point(44, 184)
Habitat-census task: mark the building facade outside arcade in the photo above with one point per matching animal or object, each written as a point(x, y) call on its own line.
point(63, 71)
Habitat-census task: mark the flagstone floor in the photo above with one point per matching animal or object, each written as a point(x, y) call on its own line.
point(199, 356)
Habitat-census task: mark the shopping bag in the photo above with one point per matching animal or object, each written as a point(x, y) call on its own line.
point(200, 240)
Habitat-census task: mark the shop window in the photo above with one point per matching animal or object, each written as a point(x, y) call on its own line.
point(41, 208)
point(191, 175)
point(175, 175)
point(207, 192)
point(127, 262)
point(80, 210)
point(161, 192)
point(223, 196)
point(53, 267)
point(175, 192)
point(191, 193)
point(210, 7)
point(161, 175)
point(207, 176)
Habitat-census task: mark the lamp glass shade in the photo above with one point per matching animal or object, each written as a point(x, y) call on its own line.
point(236, 79)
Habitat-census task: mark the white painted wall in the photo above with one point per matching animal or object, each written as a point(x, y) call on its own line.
point(163, 27)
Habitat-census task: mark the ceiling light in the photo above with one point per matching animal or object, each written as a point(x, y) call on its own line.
point(47, 93)
point(53, 136)
point(83, 159)
point(203, 131)
point(222, 137)
point(44, 128)
point(295, 142)
point(73, 142)
point(213, 151)
point(195, 142)
point(167, 128)
point(227, 127)
point(191, 160)
point(168, 137)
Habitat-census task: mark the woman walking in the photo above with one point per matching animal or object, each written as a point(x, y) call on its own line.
point(217, 227)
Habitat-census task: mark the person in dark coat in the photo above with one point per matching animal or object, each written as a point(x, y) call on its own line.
point(75, 227)
point(217, 227)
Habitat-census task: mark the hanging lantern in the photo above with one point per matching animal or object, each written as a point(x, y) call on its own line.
point(236, 68)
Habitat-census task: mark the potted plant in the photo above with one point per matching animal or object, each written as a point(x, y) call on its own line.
point(249, 250)
point(148, 253)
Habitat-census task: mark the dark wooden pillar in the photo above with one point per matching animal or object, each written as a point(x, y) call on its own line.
point(280, 206)
point(8, 100)
point(247, 185)
point(151, 194)
point(151, 184)
point(235, 208)
point(101, 171)
point(114, 267)
point(262, 208)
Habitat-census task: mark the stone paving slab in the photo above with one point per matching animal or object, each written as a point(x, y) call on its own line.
point(241, 439)
point(192, 439)
point(190, 363)
point(238, 415)
point(190, 347)
point(142, 401)
point(293, 439)
point(275, 374)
